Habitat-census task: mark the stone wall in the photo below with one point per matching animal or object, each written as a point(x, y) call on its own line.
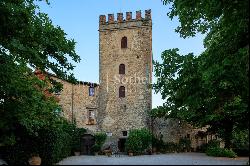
point(172, 130)
point(123, 114)
point(75, 101)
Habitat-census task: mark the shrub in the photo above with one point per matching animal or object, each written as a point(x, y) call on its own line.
point(184, 144)
point(220, 152)
point(171, 147)
point(100, 138)
point(240, 142)
point(55, 145)
point(138, 140)
point(213, 143)
point(52, 144)
point(76, 134)
point(156, 143)
point(95, 148)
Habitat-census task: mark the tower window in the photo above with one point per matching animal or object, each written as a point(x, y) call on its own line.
point(122, 92)
point(121, 69)
point(124, 42)
point(91, 90)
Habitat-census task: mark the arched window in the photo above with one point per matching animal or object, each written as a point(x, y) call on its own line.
point(91, 90)
point(121, 69)
point(122, 91)
point(124, 42)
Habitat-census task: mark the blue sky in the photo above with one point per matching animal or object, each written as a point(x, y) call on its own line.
point(80, 20)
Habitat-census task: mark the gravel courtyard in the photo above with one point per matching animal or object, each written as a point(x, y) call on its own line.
point(161, 159)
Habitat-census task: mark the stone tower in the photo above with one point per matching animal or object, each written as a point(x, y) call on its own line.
point(125, 64)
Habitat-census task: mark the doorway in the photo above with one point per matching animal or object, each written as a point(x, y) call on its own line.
point(121, 144)
point(87, 142)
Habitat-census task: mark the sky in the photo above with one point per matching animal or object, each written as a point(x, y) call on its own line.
point(80, 21)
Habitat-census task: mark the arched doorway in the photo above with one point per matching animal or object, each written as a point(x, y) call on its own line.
point(87, 141)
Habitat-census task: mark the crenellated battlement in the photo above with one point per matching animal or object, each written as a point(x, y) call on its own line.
point(110, 20)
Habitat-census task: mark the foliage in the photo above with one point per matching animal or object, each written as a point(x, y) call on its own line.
point(184, 144)
point(156, 143)
point(52, 144)
point(211, 88)
point(55, 144)
point(29, 35)
point(29, 40)
point(171, 147)
point(241, 142)
point(213, 143)
point(138, 140)
point(220, 152)
point(30, 121)
point(76, 136)
point(96, 148)
point(100, 138)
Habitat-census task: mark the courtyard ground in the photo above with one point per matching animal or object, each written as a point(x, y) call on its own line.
point(160, 159)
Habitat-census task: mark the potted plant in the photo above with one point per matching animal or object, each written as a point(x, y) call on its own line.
point(95, 149)
point(130, 153)
point(35, 159)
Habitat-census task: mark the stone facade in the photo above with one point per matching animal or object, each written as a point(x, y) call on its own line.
point(118, 114)
point(77, 104)
point(110, 112)
point(172, 130)
point(123, 98)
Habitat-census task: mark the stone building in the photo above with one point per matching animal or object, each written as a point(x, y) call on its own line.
point(123, 97)
point(125, 51)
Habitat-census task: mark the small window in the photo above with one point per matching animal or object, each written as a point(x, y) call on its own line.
point(122, 92)
point(124, 133)
point(124, 42)
point(91, 117)
point(121, 69)
point(188, 136)
point(91, 91)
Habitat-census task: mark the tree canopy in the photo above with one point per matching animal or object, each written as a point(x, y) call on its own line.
point(211, 88)
point(28, 41)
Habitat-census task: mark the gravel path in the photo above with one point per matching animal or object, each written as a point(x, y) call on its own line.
point(160, 159)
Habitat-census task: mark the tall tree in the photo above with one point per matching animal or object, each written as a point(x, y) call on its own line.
point(29, 40)
point(212, 88)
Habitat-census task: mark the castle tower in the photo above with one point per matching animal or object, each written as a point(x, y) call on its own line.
point(125, 64)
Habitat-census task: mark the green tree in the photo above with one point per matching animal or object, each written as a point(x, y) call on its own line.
point(212, 88)
point(138, 140)
point(29, 40)
point(28, 35)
